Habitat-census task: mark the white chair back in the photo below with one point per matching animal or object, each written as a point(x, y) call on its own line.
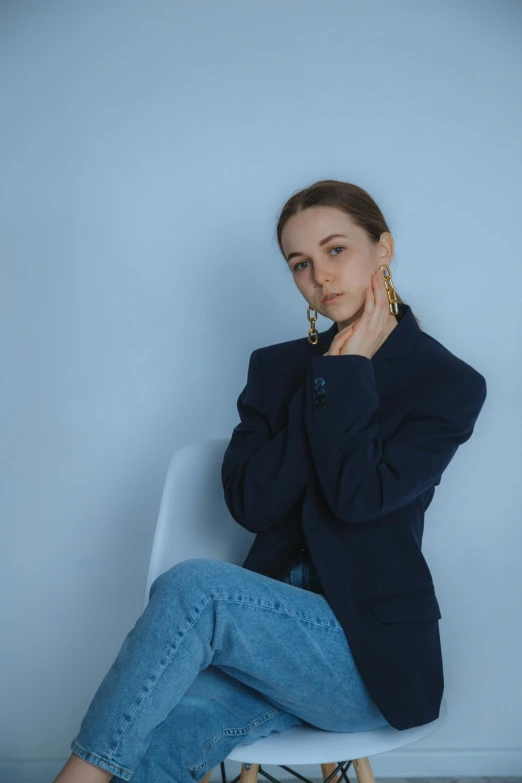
point(193, 519)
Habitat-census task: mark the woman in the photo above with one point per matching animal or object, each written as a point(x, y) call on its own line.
point(332, 619)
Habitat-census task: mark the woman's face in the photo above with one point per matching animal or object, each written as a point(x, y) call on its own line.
point(343, 264)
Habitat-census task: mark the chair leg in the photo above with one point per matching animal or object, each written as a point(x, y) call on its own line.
point(248, 773)
point(327, 769)
point(207, 777)
point(363, 770)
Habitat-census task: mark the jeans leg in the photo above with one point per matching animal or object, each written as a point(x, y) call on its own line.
point(216, 714)
point(204, 611)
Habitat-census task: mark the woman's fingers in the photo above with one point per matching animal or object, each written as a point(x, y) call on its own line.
point(382, 295)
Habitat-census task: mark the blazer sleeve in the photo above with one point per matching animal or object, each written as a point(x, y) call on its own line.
point(364, 477)
point(263, 477)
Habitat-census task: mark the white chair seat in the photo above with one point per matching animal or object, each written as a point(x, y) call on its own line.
point(308, 745)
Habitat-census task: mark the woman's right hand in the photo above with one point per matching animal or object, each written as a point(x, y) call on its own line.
point(339, 340)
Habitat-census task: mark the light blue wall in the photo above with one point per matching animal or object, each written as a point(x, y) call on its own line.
point(146, 149)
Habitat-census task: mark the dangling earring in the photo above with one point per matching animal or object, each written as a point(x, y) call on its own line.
point(390, 290)
point(313, 334)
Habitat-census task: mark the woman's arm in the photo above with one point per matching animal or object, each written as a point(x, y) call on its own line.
point(362, 476)
point(264, 477)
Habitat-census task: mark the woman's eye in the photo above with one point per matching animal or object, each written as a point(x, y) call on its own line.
point(296, 267)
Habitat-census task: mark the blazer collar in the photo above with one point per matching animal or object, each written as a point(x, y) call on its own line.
point(397, 345)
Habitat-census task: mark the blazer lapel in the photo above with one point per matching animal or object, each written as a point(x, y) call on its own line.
point(387, 364)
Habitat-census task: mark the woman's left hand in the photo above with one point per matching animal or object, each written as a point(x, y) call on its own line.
point(366, 335)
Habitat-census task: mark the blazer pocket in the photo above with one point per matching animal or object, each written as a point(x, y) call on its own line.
point(416, 607)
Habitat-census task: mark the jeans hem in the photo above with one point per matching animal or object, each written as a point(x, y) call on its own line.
point(98, 761)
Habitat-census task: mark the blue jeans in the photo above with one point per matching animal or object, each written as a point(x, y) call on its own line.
point(220, 657)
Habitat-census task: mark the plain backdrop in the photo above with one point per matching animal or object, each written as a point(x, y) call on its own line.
point(145, 151)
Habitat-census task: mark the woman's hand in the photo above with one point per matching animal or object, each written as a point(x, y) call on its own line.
point(366, 335)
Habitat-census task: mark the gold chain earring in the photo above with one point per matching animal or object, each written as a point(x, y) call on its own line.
point(313, 334)
point(390, 290)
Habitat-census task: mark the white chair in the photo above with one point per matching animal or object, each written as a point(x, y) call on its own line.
point(194, 521)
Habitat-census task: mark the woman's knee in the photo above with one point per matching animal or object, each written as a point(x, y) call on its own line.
point(194, 572)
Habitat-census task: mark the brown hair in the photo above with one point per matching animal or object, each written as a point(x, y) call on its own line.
point(346, 196)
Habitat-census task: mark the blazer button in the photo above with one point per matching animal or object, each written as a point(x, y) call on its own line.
point(319, 382)
point(320, 403)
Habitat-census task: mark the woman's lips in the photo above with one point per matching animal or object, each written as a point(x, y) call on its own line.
point(332, 299)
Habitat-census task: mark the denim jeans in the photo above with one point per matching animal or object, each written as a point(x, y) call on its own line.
point(220, 657)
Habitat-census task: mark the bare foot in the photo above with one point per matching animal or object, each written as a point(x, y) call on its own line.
point(76, 770)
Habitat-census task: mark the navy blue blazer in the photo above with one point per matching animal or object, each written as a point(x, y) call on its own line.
point(339, 457)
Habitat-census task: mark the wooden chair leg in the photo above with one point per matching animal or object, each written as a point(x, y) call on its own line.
point(363, 770)
point(207, 777)
point(248, 773)
point(327, 769)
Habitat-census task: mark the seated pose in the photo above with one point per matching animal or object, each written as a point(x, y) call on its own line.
point(332, 620)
